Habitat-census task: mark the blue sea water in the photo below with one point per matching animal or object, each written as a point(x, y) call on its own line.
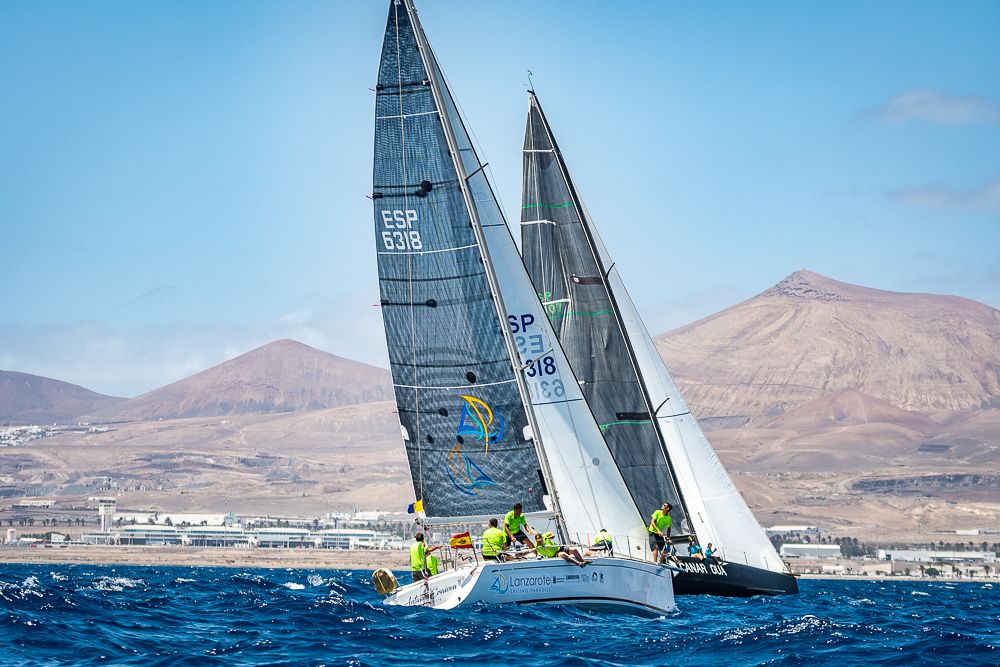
point(103, 615)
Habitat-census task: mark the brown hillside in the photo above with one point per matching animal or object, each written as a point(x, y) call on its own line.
point(809, 336)
point(30, 399)
point(283, 376)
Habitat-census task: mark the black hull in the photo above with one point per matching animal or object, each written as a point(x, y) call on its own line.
point(712, 577)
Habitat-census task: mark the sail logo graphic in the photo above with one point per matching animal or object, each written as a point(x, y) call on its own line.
point(499, 584)
point(465, 474)
point(479, 421)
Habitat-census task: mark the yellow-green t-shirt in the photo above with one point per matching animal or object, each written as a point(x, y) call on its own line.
point(548, 548)
point(417, 556)
point(515, 523)
point(661, 521)
point(493, 541)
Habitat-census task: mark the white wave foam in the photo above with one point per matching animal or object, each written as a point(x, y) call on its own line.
point(116, 584)
point(291, 585)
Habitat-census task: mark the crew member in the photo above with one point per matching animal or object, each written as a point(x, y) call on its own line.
point(547, 548)
point(661, 521)
point(494, 541)
point(515, 524)
point(602, 542)
point(418, 557)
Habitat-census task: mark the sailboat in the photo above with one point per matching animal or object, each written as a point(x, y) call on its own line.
point(655, 440)
point(490, 411)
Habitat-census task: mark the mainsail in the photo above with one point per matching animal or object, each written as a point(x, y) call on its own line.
point(646, 422)
point(458, 400)
point(490, 409)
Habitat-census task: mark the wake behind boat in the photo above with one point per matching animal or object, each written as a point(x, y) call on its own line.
point(490, 411)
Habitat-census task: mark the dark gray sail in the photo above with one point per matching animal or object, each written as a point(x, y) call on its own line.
point(571, 283)
point(458, 400)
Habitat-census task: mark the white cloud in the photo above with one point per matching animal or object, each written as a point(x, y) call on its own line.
point(945, 198)
point(935, 106)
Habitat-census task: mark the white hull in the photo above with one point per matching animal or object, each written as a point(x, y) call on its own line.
point(619, 583)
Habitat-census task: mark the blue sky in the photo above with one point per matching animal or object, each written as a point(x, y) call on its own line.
point(181, 181)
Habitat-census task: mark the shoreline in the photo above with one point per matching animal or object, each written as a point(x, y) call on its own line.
point(333, 559)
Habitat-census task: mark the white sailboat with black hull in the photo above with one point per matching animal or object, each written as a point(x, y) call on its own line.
point(655, 440)
point(490, 411)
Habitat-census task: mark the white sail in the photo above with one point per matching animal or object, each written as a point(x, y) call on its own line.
point(716, 508)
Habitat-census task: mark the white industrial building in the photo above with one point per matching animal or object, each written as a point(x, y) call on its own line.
point(937, 556)
point(789, 550)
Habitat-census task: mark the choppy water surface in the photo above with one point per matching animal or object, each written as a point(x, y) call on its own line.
point(87, 614)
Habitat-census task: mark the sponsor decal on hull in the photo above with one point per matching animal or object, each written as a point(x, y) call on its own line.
point(705, 568)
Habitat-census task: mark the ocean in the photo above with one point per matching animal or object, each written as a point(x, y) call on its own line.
point(105, 615)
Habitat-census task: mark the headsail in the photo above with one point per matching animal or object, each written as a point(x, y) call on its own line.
point(577, 280)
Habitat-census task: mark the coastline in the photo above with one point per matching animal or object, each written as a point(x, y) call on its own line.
point(332, 559)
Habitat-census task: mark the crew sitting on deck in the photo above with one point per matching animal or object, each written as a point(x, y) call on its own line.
point(710, 551)
point(494, 541)
point(602, 543)
point(694, 549)
point(418, 558)
point(669, 553)
point(515, 524)
point(547, 548)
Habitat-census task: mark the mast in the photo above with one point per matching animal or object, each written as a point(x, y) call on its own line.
point(437, 85)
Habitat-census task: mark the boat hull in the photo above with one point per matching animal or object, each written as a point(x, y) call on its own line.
point(606, 583)
point(712, 577)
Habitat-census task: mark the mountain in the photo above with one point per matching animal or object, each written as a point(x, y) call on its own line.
point(810, 336)
point(30, 399)
point(283, 376)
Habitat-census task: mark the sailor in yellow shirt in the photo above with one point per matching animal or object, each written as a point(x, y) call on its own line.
point(494, 541)
point(661, 521)
point(603, 543)
point(515, 525)
point(547, 548)
point(418, 558)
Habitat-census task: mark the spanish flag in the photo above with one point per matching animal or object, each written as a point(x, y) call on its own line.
point(413, 508)
point(461, 541)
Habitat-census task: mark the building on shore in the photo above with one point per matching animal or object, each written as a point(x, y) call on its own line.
point(791, 550)
point(236, 536)
point(936, 556)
